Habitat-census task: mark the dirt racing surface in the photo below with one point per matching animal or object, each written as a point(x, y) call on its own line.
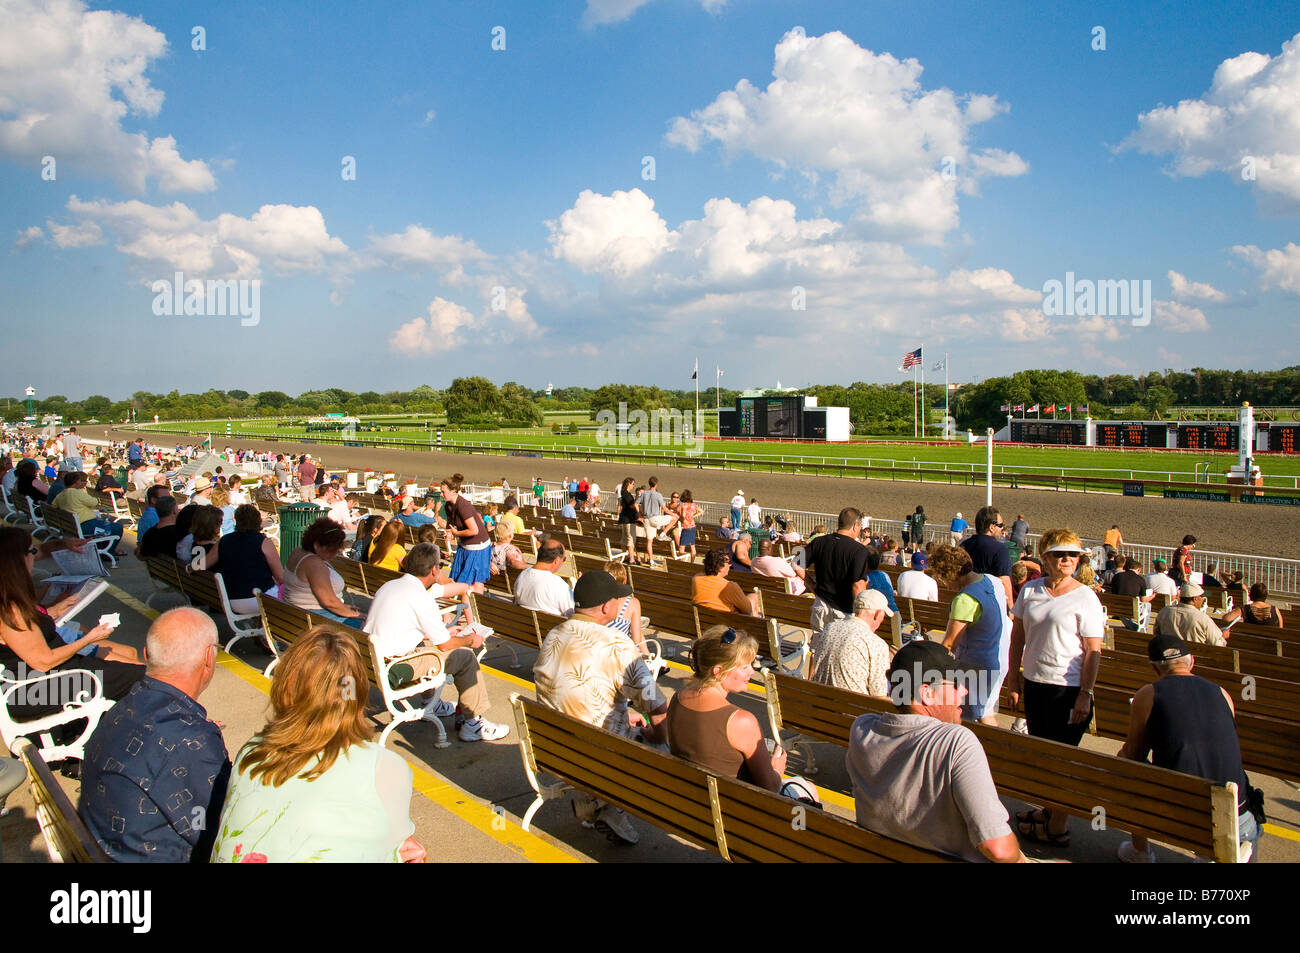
point(1224, 527)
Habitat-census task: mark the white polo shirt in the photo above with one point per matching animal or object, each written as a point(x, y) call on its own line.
point(403, 614)
point(543, 591)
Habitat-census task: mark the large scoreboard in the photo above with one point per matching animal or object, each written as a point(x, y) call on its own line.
point(1220, 437)
point(1131, 434)
point(1059, 432)
point(770, 417)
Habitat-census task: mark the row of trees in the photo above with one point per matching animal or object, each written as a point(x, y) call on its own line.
point(873, 408)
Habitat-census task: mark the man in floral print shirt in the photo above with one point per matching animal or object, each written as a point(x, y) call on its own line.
point(592, 672)
point(156, 769)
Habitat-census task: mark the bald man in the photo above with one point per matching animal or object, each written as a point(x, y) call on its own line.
point(156, 768)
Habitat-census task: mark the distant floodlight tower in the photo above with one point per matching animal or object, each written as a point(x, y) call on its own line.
point(1245, 470)
point(31, 404)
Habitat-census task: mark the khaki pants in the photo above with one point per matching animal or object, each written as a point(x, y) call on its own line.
point(822, 614)
point(461, 667)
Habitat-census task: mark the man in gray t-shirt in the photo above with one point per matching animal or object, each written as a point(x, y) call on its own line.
point(72, 450)
point(651, 505)
point(918, 774)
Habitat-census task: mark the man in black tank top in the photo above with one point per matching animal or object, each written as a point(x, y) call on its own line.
point(1187, 724)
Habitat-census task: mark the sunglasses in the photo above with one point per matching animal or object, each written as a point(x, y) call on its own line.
point(32, 551)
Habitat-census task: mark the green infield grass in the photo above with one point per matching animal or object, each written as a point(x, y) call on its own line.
point(803, 457)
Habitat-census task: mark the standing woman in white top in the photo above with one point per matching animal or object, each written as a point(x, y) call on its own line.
point(1057, 634)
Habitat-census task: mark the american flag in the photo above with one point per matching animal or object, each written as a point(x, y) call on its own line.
point(911, 359)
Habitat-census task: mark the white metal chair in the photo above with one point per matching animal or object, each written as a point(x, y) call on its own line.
point(397, 700)
point(86, 702)
point(13, 513)
point(242, 624)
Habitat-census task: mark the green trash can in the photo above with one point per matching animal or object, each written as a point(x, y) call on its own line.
point(756, 536)
point(294, 520)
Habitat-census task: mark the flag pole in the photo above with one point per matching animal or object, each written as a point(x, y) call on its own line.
point(718, 398)
point(696, 375)
point(922, 392)
point(913, 403)
point(945, 395)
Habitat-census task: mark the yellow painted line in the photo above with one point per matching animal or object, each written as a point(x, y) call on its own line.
point(514, 680)
point(132, 602)
point(494, 825)
point(1282, 832)
point(438, 790)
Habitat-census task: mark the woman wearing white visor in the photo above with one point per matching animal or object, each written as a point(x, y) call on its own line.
point(1057, 636)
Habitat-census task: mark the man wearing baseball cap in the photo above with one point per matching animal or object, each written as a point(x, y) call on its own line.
point(914, 583)
point(1185, 619)
point(1186, 724)
point(918, 774)
point(591, 672)
point(848, 654)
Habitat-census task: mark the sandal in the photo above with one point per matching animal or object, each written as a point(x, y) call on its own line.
point(1033, 825)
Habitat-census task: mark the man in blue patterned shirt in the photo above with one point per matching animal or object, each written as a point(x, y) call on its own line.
point(155, 774)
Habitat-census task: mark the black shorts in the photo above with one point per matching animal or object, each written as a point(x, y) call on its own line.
point(582, 496)
point(1047, 711)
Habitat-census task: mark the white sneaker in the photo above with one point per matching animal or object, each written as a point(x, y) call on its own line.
point(1130, 855)
point(615, 825)
point(1020, 726)
point(1245, 850)
point(480, 729)
point(443, 709)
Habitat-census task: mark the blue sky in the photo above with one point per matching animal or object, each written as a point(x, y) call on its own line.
point(910, 175)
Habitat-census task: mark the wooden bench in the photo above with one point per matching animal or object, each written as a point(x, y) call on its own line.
point(354, 578)
point(66, 836)
point(1228, 658)
point(165, 575)
point(1171, 807)
point(286, 624)
point(1126, 608)
point(927, 618)
point(739, 821)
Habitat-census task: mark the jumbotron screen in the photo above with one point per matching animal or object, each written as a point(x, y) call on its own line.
point(770, 416)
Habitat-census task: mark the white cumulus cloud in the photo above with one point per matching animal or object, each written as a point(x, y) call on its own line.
point(619, 233)
point(279, 238)
point(899, 150)
point(1277, 267)
point(434, 333)
point(417, 247)
point(82, 235)
point(1184, 290)
point(69, 79)
point(28, 236)
point(1247, 125)
point(1181, 318)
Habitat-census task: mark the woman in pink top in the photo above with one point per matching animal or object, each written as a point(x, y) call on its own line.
point(687, 510)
